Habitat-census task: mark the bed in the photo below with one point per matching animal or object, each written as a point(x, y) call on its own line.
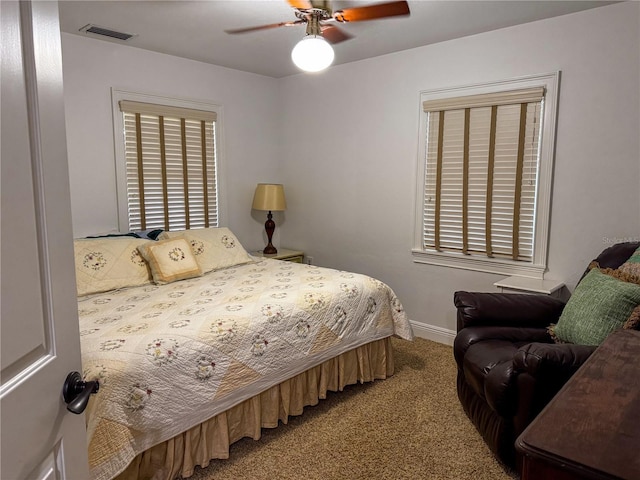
point(192, 359)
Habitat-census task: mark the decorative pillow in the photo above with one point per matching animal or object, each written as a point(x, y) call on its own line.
point(215, 248)
point(632, 265)
point(111, 235)
point(599, 305)
point(633, 322)
point(170, 260)
point(151, 234)
point(104, 264)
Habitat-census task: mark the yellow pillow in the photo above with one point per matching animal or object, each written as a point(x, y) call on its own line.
point(170, 260)
point(215, 248)
point(104, 264)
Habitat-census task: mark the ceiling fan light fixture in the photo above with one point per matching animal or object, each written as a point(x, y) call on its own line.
point(312, 54)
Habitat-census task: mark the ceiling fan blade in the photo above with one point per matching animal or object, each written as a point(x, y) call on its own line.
point(333, 34)
point(265, 27)
point(371, 12)
point(300, 4)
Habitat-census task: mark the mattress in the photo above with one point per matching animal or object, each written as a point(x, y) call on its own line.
point(169, 357)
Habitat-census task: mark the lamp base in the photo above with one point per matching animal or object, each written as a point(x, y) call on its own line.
point(270, 250)
point(270, 226)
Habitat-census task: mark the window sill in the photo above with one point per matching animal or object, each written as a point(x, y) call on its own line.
point(479, 264)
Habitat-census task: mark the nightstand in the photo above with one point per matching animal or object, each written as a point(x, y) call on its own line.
point(553, 288)
point(283, 254)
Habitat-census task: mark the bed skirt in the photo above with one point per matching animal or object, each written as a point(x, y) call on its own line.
point(211, 439)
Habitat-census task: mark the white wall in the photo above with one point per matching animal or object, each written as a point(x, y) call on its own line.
point(250, 139)
point(345, 143)
point(351, 150)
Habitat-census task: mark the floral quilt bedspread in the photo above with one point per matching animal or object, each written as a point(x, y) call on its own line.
point(170, 356)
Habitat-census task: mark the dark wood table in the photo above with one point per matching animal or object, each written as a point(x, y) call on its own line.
point(591, 428)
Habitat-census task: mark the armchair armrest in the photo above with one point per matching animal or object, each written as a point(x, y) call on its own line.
point(472, 335)
point(554, 362)
point(506, 309)
point(541, 370)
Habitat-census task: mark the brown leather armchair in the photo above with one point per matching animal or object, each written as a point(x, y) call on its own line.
point(509, 368)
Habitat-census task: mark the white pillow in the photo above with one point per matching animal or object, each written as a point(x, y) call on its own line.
point(170, 260)
point(214, 248)
point(104, 264)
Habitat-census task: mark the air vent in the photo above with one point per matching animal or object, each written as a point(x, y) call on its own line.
point(106, 32)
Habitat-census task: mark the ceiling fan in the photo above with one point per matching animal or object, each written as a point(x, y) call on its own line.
point(320, 19)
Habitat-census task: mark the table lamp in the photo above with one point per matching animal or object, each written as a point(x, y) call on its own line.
point(269, 197)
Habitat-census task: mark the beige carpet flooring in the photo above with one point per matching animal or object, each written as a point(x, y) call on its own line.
point(409, 426)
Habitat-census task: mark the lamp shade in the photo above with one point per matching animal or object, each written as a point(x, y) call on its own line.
point(312, 54)
point(269, 196)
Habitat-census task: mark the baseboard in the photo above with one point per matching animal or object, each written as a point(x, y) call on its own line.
point(431, 332)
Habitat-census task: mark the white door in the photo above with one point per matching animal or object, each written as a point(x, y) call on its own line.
point(40, 340)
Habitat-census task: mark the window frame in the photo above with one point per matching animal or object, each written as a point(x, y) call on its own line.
point(119, 146)
point(538, 265)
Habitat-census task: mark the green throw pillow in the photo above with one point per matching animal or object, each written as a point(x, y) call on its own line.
point(599, 305)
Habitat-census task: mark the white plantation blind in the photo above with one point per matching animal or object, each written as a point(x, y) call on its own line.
point(482, 173)
point(170, 162)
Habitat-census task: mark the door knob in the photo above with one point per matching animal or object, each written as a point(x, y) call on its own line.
point(76, 392)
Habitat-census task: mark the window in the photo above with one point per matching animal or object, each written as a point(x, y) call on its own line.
point(166, 163)
point(486, 158)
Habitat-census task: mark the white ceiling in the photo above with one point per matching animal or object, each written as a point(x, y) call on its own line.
point(196, 29)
